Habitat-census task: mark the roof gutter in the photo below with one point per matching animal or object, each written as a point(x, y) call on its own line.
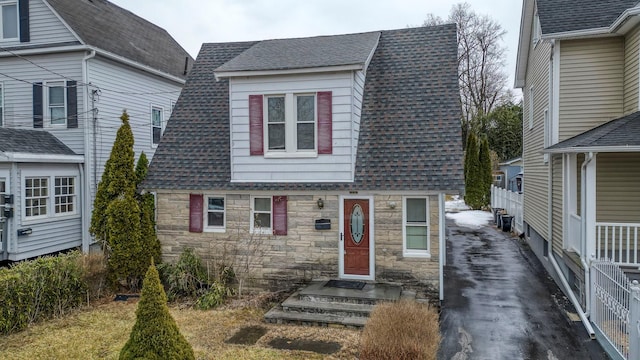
point(40, 158)
point(605, 149)
point(136, 65)
point(41, 51)
point(229, 74)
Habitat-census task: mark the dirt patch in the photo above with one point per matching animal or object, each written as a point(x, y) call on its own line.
point(248, 335)
point(320, 347)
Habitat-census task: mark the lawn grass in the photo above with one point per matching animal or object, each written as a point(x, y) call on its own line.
point(100, 331)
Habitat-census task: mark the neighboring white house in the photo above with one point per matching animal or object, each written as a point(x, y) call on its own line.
point(69, 68)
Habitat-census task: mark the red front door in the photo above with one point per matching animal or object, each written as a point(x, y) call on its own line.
point(356, 237)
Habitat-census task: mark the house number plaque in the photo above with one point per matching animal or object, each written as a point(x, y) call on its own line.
point(357, 224)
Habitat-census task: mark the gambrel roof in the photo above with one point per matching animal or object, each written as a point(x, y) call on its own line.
point(410, 135)
point(109, 27)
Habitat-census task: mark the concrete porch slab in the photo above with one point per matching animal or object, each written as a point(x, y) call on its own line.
point(371, 291)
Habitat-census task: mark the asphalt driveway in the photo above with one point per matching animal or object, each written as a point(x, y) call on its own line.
point(501, 304)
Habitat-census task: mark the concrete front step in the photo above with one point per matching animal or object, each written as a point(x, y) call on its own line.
point(317, 304)
point(278, 316)
point(295, 304)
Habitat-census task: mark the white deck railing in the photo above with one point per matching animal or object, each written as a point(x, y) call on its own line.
point(511, 202)
point(618, 242)
point(575, 234)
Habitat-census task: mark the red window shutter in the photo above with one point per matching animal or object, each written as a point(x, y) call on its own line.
point(196, 217)
point(279, 215)
point(325, 127)
point(255, 125)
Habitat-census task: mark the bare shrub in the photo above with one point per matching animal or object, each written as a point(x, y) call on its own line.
point(401, 330)
point(94, 267)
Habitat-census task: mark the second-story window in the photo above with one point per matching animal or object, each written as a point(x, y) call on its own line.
point(156, 125)
point(291, 123)
point(57, 103)
point(9, 18)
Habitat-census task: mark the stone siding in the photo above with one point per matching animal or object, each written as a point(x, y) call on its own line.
point(276, 262)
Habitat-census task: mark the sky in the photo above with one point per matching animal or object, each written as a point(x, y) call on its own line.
point(193, 22)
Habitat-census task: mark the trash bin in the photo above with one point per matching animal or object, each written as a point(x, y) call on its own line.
point(507, 221)
point(496, 215)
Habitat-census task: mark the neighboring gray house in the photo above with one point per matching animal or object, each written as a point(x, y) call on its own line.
point(512, 170)
point(335, 152)
point(68, 68)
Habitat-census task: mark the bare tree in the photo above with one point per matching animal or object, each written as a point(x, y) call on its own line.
point(481, 64)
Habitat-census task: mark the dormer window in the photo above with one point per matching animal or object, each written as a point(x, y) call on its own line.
point(291, 124)
point(10, 22)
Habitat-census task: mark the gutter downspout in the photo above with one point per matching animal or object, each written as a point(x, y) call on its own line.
point(583, 230)
point(86, 193)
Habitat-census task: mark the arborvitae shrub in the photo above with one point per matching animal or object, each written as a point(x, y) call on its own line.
point(486, 177)
point(155, 335)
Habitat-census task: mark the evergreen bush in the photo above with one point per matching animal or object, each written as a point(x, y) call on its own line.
point(486, 178)
point(155, 335)
point(473, 177)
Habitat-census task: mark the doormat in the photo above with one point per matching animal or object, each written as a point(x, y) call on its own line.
point(345, 284)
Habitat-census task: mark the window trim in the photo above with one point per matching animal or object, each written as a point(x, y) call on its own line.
point(205, 211)
point(413, 252)
point(4, 3)
point(47, 207)
point(531, 107)
point(51, 176)
point(162, 124)
point(260, 230)
point(47, 105)
point(291, 126)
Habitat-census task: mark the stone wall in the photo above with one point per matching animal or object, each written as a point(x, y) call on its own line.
point(275, 262)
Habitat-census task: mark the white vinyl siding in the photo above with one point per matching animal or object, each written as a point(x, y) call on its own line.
point(359, 78)
point(591, 84)
point(415, 227)
point(631, 65)
point(44, 28)
point(336, 167)
point(214, 213)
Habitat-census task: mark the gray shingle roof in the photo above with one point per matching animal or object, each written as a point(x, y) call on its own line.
point(624, 131)
point(109, 27)
point(303, 53)
point(31, 142)
point(410, 136)
point(558, 16)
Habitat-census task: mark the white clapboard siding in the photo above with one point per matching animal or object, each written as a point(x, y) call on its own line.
point(337, 166)
point(631, 64)
point(50, 234)
point(44, 28)
point(358, 95)
point(122, 87)
point(18, 92)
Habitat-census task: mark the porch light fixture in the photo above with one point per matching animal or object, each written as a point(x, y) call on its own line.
point(392, 204)
point(320, 203)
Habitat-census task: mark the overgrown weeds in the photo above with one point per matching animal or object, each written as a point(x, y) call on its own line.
point(403, 330)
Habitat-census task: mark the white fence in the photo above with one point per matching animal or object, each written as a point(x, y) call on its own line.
point(615, 308)
point(511, 202)
point(618, 242)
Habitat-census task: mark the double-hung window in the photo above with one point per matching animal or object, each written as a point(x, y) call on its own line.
point(416, 226)
point(36, 197)
point(65, 195)
point(291, 124)
point(157, 121)
point(215, 213)
point(9, 18)
point(57, 103)
point(261, 215)
point(49, 196)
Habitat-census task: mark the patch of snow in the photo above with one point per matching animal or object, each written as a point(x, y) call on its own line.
point(456, 204)
point(472, 219)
